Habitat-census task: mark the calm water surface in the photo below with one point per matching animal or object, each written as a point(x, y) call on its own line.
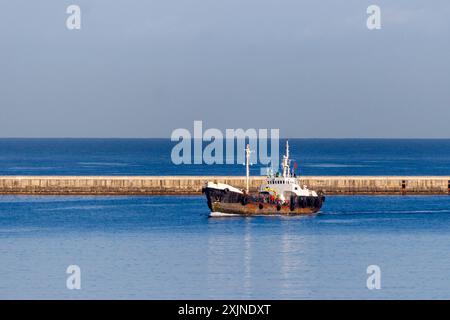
point(168, 248)
point(153, 157)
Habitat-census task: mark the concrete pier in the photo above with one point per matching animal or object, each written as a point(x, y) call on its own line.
point(192, 185)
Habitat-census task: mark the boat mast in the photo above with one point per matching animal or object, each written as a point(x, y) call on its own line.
point(286, 168)
point(247, 166)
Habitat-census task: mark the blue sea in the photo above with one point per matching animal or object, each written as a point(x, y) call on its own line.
point(153, 157)
point(167, 247)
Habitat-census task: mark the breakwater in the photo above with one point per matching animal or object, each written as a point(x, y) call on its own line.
point(192, 185)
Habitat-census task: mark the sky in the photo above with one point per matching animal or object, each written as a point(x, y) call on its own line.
point(140, 68)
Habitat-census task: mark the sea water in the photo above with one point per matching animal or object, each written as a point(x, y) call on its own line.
point(167, 247)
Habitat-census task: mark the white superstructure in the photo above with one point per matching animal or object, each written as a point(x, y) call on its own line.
point(282, 185)
point(287, 184)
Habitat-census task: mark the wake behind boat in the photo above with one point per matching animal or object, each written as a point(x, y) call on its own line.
point(280, 194)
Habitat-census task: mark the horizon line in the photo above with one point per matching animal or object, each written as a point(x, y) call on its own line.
point(281, 138)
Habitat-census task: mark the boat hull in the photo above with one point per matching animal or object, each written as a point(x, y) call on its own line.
point(236, 203)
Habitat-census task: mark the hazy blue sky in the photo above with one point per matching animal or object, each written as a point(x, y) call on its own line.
point(142, 68)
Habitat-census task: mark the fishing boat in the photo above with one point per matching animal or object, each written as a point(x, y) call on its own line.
point(280, 194)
